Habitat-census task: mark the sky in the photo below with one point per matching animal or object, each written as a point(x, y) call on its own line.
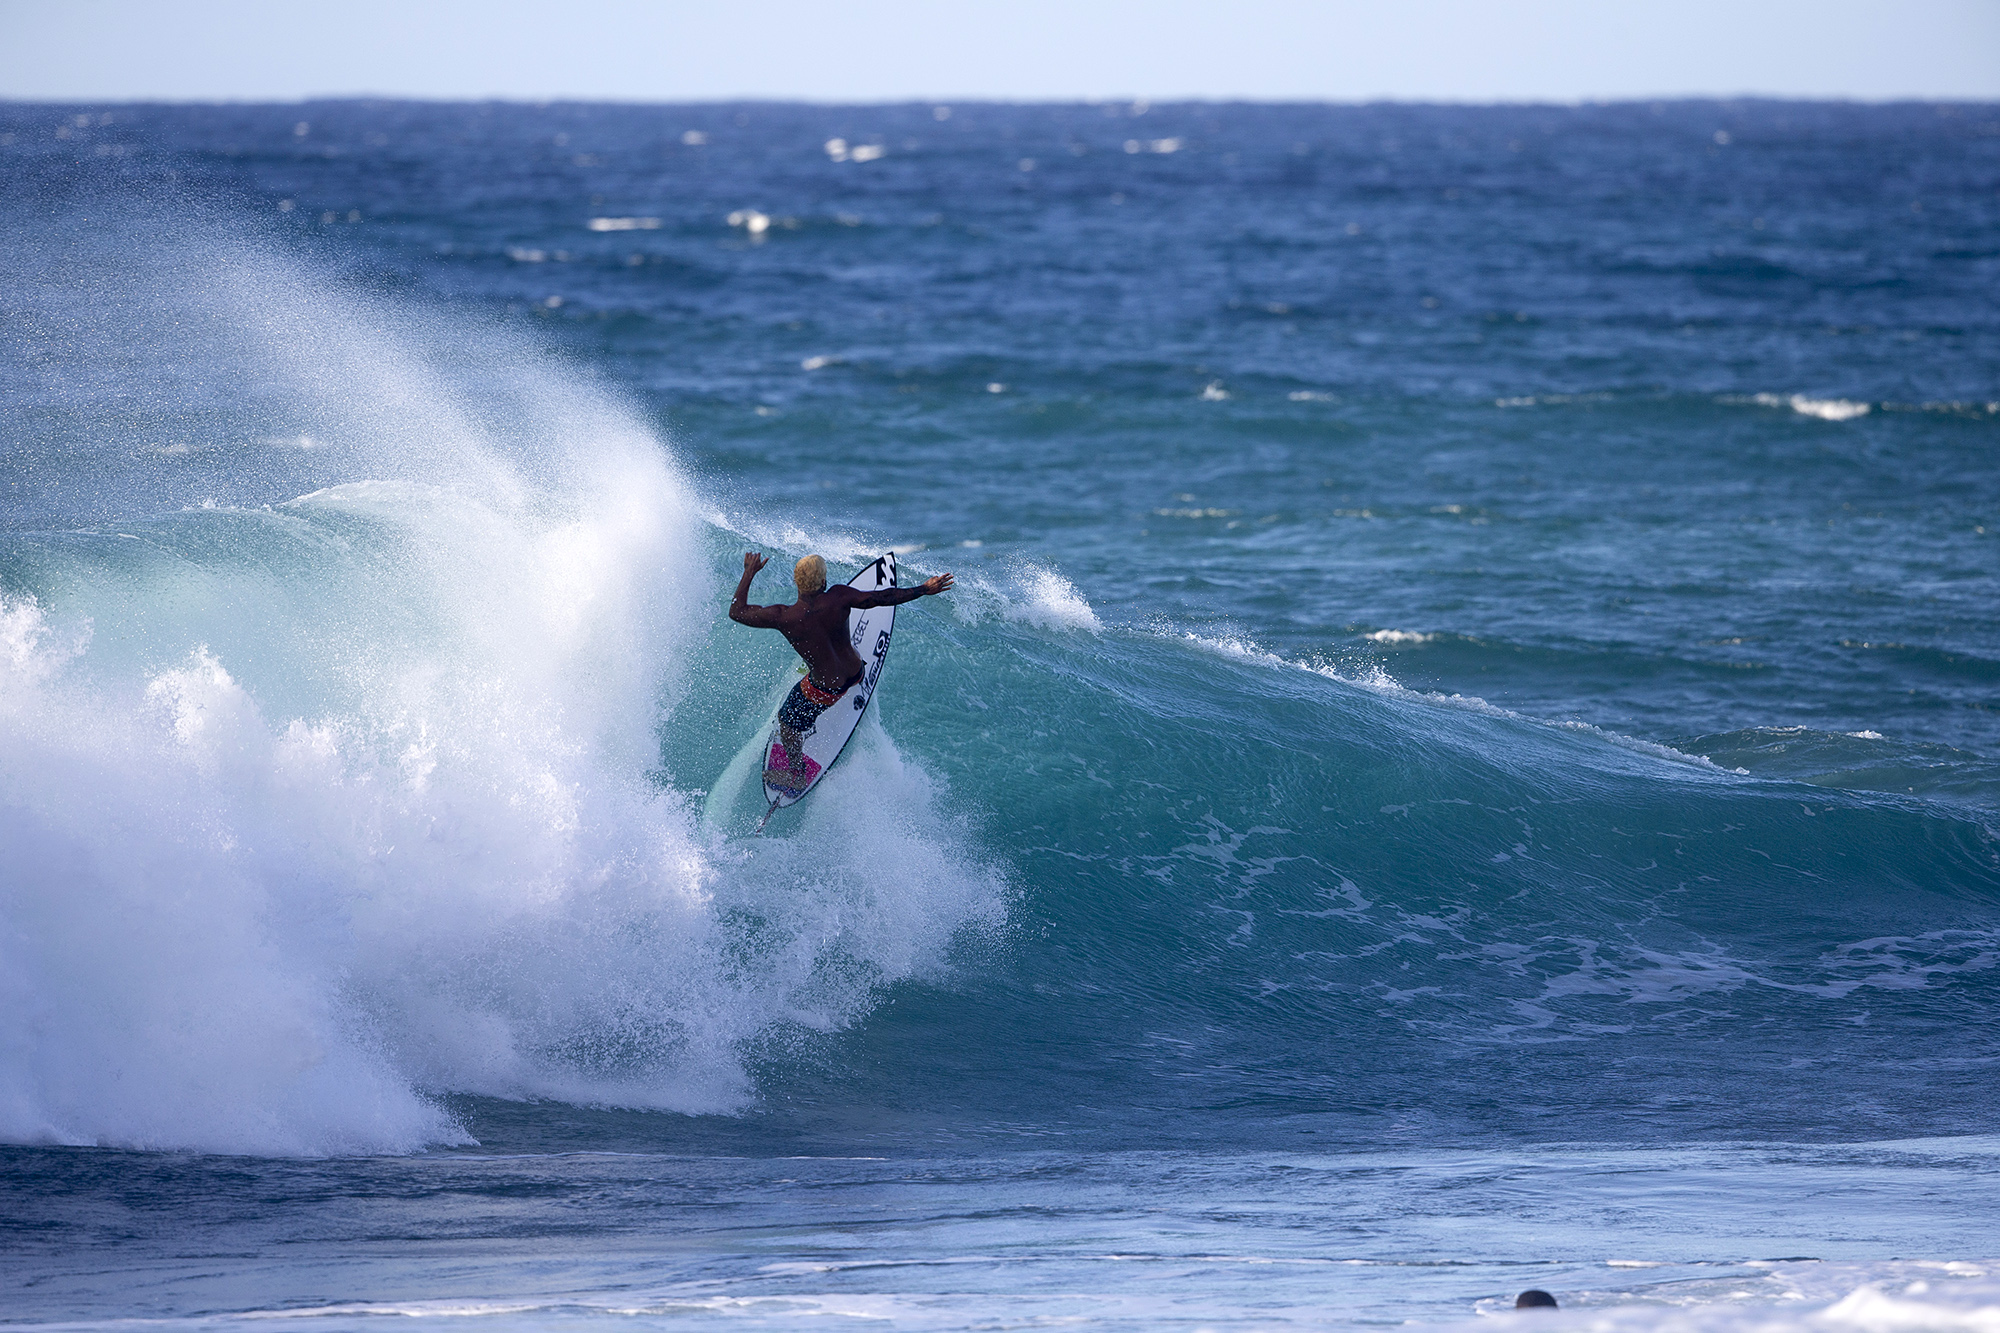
point(899, 50)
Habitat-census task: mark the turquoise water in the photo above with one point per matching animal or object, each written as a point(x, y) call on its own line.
point(1461, 757)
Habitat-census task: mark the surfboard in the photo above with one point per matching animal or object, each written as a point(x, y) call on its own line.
point(869, 630)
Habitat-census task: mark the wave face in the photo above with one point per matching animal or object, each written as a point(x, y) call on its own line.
point(1419, 676)
point(1340, 903)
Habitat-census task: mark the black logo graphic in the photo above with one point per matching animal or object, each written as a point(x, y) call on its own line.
point(874, 671)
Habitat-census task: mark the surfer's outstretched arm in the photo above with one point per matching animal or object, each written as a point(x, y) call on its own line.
point(740, 609)
point(930, 587)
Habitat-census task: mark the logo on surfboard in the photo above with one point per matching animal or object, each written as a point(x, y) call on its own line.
point(874, 672)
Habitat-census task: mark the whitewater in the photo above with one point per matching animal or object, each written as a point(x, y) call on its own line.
point(1453, 764)
point(375, 805)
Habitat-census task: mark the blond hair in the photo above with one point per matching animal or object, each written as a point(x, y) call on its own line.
point(809, 575)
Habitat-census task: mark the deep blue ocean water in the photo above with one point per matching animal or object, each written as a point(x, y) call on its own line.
point(1462, 757)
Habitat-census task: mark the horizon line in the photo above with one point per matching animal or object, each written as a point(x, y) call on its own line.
point(1147, 102)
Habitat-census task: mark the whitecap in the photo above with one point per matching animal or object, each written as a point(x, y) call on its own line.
point(1825, 409)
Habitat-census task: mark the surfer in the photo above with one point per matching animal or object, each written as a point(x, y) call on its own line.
point(816, 627)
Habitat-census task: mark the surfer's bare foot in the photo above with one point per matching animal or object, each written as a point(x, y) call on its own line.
point(790, 775)
point(791, 779)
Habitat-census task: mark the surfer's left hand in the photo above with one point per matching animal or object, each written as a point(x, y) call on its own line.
point(936, 584)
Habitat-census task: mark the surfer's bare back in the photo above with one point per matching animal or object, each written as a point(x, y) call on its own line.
point(816, 627)
point(816, 624)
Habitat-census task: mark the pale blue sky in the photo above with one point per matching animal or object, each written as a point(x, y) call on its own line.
point(866, 50)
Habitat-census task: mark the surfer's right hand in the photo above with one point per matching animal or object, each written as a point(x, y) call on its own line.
point(752, 562)
point(937, 584)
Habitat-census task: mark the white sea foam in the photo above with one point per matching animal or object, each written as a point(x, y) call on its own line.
point(377, 827)
point(1788, 1296)
point(1826, 409)
point(1624, 1296)
point(1399, 636)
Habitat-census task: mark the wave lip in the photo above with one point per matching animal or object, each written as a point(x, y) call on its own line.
point(1372, 676)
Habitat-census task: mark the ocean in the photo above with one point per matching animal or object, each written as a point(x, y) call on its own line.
point(1462, 756)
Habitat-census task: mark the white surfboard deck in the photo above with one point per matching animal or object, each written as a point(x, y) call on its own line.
point(869, 630)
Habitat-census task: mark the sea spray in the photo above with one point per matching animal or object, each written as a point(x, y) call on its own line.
point(328, 793)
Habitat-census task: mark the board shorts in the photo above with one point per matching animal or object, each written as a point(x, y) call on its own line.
point(807, 701)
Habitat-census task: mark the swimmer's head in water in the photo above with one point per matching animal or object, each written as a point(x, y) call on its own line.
point(1534, 1300)
point(809, 575)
